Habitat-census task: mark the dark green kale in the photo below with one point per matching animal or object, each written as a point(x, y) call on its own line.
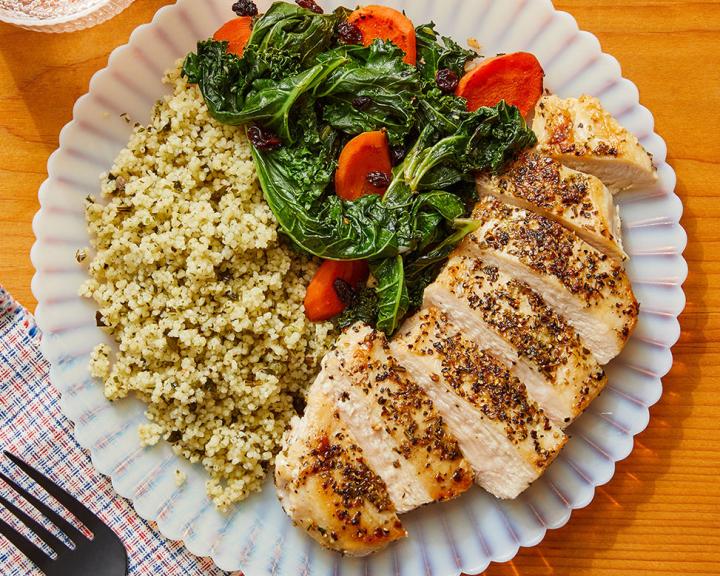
point(392, 293)
point(437, 52)
point(368, 228)
point(364, 308)
point(276, 69)
point(220, 76)
point(387, 85)
point(290, 29)
point(309, 93)
point(443, 112)
point(421, 270)
point(485, 141)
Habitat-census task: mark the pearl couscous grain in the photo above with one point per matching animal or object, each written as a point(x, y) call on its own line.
point(202, 296)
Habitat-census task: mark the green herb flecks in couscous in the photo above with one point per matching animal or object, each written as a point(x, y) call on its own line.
point(202, 296)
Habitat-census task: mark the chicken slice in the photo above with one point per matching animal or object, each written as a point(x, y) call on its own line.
point(516, 325)
point(506, 437)
point(581, 134)
point(404, 439)
point(588, 289)
point(576, 200)
point(326, 486)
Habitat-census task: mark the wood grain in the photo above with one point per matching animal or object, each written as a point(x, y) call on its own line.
point(660, 514)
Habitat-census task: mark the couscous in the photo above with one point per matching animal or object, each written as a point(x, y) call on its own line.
point(202, 295)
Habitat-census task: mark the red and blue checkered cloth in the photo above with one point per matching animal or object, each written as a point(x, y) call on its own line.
point(32, 427)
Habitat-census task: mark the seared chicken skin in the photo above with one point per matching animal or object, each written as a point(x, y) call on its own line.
point(578, 201)
point(516, 325)
point(591, 291)
point(404, 439)
point(505, 436)
point(326, 486)
point(581, 134)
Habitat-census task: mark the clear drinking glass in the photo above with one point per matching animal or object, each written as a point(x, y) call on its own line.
point(59, 15)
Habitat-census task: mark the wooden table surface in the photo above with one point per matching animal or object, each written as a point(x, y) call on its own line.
point(660, 514)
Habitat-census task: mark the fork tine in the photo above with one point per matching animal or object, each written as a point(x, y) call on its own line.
point(45, 535)
point(68, 529)
point(34, 553)
point(74, 506)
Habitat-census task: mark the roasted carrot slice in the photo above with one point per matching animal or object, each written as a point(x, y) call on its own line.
point(321, 299)
point(237, 33)
point(361, 164)
point(516, 78)
point(387, 24)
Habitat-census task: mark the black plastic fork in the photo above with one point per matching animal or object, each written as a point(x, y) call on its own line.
point(102, 555)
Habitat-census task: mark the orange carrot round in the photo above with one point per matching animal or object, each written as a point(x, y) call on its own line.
point(365, 156)
point(516, 78)
point(321, 299)
point(237, 33)
point(387, 24)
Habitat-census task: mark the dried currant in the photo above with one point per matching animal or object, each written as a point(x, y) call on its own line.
point(397, 153)
point(174, 437)
point(447, 80)
point(344, 291)
point(263, 139)
point(245, 8)
point(299, 403)
point(378, 179)
point(309, 5)
point(361, 102)
point(349, 33)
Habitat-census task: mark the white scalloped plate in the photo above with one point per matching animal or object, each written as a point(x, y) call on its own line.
point(464, 535)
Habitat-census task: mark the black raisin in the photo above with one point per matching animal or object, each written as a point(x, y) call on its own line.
point(397, 153)
point(263, 139)
point(344, 291)
point(309, 5)
point(361, 102)
point(349, 33)
point(299, 403)
point(378, 179)
point(245, 8)
point(447, 80)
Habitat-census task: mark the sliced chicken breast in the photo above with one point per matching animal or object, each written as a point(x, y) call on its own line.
point(581, 134)
point(505, 436)
point(578, 201)
point(404, 439)
point(516, 325)
point(326, 486)
point(586, 288)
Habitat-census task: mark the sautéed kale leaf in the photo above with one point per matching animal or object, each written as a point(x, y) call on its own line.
point(296, 80)
point(436, 52)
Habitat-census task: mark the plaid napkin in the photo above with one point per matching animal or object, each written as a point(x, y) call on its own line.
point(32, 427)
